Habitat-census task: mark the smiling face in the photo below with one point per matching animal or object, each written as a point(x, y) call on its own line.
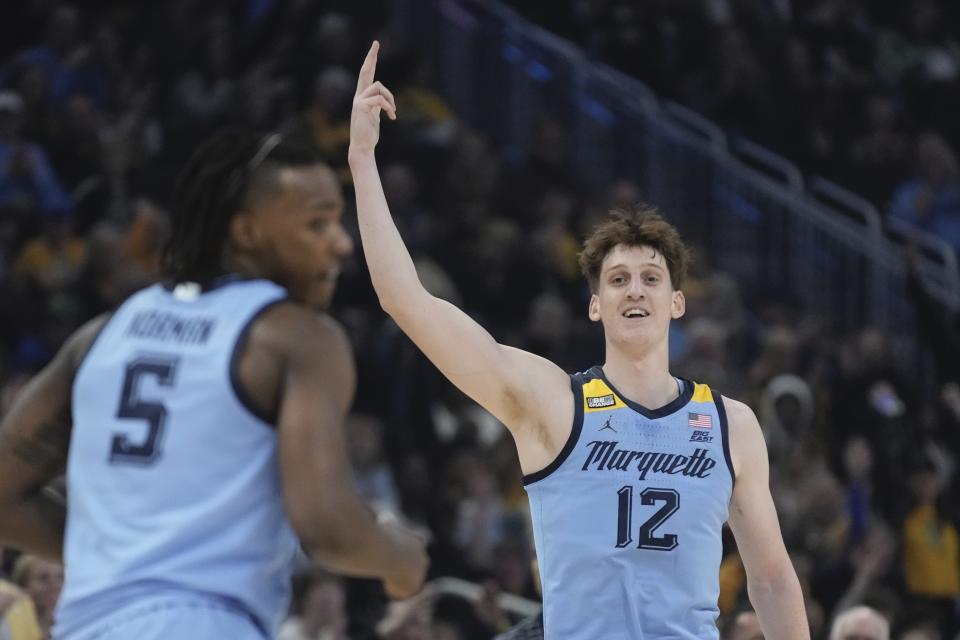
point(295, 235)
point(635, 299)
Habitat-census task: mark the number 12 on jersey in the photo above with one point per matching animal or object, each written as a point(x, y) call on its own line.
point(648, 497)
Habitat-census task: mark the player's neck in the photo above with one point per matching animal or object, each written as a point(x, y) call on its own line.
point(242, 264)
point(643, 379)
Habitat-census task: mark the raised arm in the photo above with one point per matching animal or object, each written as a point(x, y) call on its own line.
point(771, 580)
point(525, 392)
point(331, 520)
point(34, 442)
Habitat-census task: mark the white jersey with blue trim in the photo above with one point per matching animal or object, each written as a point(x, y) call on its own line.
point(173, 478)
point(627, 520)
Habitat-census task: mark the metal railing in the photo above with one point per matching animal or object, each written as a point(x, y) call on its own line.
point(472, 592)
point(753, 211)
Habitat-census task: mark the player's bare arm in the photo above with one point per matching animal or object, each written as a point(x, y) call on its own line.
point(771, 580)
point(301, 363)
point(529, 394)
point(34, 441)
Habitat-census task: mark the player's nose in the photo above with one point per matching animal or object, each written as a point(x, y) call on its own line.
point(635, 290)
point(342, 242)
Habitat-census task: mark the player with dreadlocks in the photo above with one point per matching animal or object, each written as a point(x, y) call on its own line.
point(200, 423)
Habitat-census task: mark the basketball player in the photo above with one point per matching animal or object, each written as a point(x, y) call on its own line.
point(631, 472)
point(206, 420)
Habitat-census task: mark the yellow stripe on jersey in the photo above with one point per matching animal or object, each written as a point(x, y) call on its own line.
point(597, 396)
point(701, 393)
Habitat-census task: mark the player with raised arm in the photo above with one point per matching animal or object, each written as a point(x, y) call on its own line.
point(631, 472)
point(200, 424)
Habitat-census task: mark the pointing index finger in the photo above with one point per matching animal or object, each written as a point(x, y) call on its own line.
point(369, 68)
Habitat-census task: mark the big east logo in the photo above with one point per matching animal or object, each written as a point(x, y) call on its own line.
point(599, 402)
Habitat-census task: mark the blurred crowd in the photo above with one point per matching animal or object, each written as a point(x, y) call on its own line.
point(100, 105)
point(864, 93)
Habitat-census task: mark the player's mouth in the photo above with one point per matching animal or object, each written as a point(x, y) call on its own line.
point(635, 312)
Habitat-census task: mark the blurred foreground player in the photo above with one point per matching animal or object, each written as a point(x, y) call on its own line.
point(631, 472)
point(201, 423)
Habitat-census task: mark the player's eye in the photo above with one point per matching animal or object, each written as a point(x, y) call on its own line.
point(318, 224)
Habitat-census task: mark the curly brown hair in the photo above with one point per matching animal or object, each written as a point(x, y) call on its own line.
point(643, 226)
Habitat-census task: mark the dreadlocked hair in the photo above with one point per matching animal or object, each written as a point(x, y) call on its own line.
point(217, 181)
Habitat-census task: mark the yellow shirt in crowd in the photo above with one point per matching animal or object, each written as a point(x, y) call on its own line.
point(18, 620)
point(931, 554)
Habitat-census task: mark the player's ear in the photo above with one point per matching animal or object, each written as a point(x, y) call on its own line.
point(593, 311)
point(244, 231)
point(678, 306)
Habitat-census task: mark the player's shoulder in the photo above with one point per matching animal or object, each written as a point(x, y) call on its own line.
point(290, 328)
point(738, 411)
point(747, 443)
point(80, 341)
point(741, 418)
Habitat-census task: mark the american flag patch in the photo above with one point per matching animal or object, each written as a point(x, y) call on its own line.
point(700, 420)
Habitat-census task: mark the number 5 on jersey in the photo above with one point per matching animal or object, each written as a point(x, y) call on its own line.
point(145, 452)
point(648, 497)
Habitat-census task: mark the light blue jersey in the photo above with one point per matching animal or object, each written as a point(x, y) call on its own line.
point(173, 480)
point(627, 520)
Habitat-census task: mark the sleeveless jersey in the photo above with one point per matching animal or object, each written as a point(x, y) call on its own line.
point(173, 481)
point(627, 520)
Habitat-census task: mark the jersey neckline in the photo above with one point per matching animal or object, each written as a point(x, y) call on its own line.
point(671, 407)
point(215, 283)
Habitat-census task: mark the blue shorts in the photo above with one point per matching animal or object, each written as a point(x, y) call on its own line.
point(167, 617)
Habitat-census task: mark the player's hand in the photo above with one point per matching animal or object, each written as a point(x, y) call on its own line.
point(411, 566)
point(371, 98)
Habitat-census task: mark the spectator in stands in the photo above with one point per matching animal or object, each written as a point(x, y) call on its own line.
point(372, 475)
point(326, 121)
point(479, 527)
point(51, 261)
point(546, 166)
point(778, 355)
point(42, 581)
point(938, 325)
point(411, 619)
point(881, 154)
point(860, 623)
point(920, 631)
point(866, 570)
point(18, 619)
point(75, 140)
point(873, 397)
point(931, 552)
point(319, 608)
point(706, 354)
point(858, 469)
point(203, 95)
point(422, 226)
point(530, 628)
point(741, 625)
point(28, 185)
point(59, 51)
point(428, 119)
point(787, 410)
point(931, 199)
